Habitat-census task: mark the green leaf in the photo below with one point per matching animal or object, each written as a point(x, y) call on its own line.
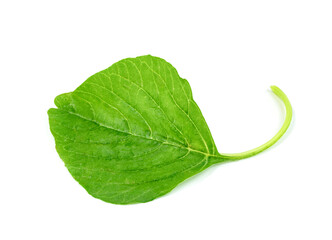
point(132, 132)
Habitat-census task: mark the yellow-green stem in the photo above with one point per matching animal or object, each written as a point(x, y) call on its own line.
point(237, 156)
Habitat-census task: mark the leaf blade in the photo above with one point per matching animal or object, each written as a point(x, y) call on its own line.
point(133, 124)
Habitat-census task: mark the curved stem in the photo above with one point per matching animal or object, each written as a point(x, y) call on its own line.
point(237, 156)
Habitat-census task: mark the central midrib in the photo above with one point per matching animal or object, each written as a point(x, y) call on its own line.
point(152, 139)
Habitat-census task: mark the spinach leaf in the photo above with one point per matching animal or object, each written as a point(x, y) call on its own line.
point(132, 132)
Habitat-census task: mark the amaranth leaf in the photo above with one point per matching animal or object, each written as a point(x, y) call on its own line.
point(132, 132)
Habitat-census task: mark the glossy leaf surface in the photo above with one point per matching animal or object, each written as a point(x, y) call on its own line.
point(132, 132)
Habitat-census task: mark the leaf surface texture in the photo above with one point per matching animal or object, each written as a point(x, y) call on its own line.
point(132, 132)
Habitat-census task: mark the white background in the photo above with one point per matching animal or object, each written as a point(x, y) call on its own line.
point(230, 52)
